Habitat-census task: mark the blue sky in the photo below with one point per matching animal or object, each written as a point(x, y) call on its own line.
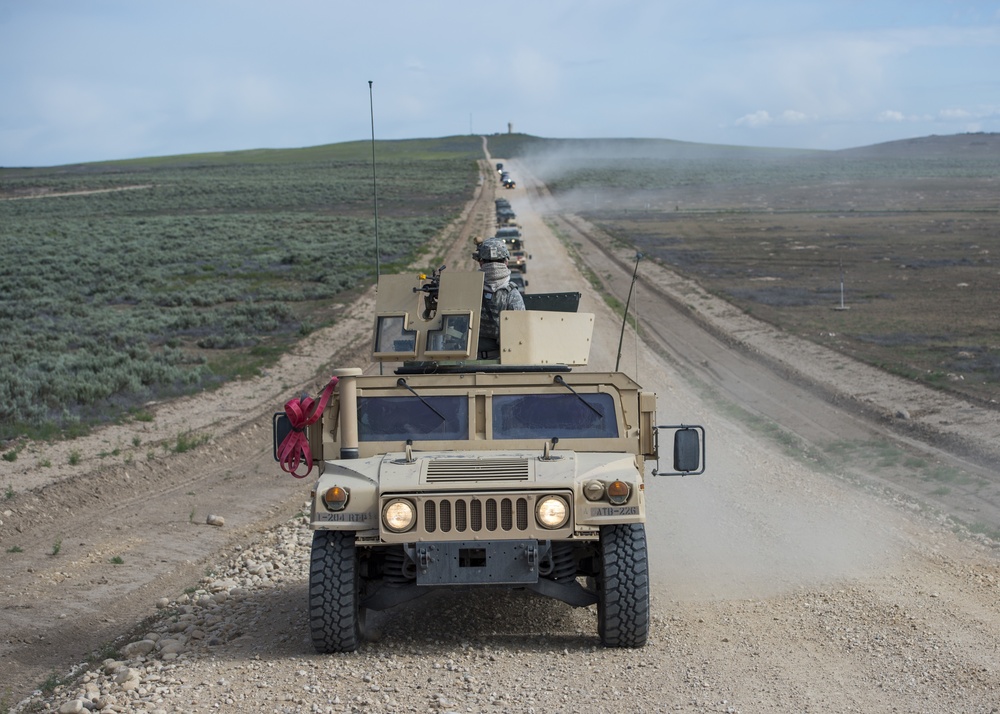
point(90, 80)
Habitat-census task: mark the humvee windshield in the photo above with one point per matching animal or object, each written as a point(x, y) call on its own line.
point(543, 416)
point(515, 416)
point(402, 418)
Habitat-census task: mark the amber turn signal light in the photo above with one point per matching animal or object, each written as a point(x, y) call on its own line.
point(335, 498)
point(618, 492)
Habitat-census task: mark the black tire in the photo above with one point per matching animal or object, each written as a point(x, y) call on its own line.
point(335, 617)
point(623, 586)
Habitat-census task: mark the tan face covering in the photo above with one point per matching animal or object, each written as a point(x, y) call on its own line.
point(496, 273)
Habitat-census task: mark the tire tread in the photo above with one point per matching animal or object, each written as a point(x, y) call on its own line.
point(334, 617)
point(623, 590)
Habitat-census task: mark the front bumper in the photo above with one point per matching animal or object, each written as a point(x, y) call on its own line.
point(508, 562)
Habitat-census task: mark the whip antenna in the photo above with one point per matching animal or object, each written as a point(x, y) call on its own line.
point(371, 106)
point(378, 265)
point(635, 273)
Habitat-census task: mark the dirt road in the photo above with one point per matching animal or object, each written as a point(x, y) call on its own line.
point(777, 586)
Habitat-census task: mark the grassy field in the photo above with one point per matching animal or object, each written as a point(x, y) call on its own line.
point(912, 227)
point(132, 281)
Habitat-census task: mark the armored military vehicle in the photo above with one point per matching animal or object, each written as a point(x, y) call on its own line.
point(511, 236)
point(525, 471)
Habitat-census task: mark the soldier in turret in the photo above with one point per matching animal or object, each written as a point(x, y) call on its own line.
point(498, 294)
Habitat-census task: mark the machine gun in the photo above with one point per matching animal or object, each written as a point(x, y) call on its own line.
point(430, 290)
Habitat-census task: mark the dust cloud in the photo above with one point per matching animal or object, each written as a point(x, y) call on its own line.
point(759, 524)
point(659, 175)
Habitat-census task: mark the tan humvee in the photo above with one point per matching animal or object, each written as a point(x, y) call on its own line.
point(516, 472)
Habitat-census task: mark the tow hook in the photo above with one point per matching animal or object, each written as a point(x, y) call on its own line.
point(531, 553)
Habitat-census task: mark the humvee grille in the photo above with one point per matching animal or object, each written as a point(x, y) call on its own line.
point(455, 470)
point(475, 515)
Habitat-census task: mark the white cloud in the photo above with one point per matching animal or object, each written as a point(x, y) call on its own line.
point(790, 116)
point(954, 114)
point(761, 117)
point(890, 115)
point(967, 120)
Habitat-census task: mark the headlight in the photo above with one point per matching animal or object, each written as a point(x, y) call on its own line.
point(398, 515)
point(552, 512)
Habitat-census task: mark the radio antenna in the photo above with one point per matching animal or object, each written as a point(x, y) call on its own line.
point(621, 337)
point(371, 106)
point(378, 265)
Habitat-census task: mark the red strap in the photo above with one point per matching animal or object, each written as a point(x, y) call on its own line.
point(301, 412)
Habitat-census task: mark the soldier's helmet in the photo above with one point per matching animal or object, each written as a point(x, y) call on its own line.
point(491, 250)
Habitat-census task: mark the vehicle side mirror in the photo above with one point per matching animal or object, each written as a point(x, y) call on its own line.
point(281, 427)
point(689, 450)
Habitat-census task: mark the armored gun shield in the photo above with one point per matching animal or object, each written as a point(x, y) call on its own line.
point(421, 319)
point(406, 330)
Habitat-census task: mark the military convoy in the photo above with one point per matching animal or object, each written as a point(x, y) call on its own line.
point(510, 233)
point(523, 472)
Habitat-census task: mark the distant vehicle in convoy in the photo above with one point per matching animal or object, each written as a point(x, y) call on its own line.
point(505, 216)
point(507, 180)
point(518, 281)
point(499, 167)
point(453, 472)
point(511, 236)
point(519, 260)
point(502, 204)
point(508, 232)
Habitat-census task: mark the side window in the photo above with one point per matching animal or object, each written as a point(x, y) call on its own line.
point(543, 416)
point(453, 335)
point(407, 417)
point(392, 336)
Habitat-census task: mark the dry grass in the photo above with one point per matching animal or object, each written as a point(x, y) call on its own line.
point(920, 260)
